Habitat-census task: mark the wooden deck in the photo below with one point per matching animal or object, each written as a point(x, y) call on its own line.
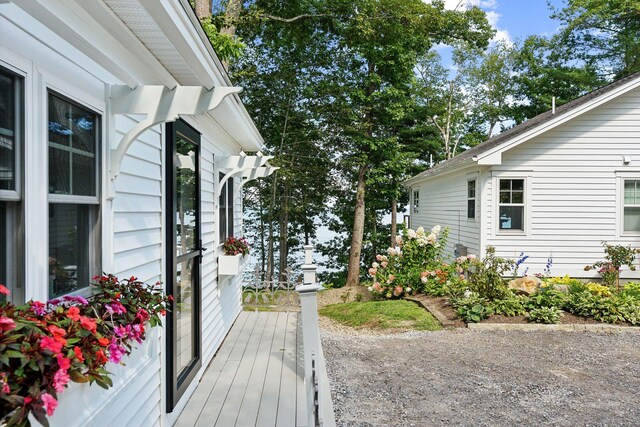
point(255, 379)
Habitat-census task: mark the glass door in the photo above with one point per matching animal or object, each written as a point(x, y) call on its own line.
point(184, 254)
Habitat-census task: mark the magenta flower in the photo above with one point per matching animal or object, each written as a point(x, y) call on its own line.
point(60, 380)
point(6, 324)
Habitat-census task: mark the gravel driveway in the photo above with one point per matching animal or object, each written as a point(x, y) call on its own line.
point(488, 378)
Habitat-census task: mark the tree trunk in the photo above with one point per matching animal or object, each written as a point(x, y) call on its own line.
point(271, 251)
point(353, 273)
point(203, 9)
point(262, 245)
point(394, 221)
point(231, 15)
point(284, 234)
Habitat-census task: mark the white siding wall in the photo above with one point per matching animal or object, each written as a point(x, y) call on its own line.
point(132, 223)
point(573, 202)
point(443, 201)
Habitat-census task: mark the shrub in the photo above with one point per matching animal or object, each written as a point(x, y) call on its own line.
point(412, 265)
point(547, 297)
point(486, 276)
point(547, 315)
point(235, 246)
point(472, 309)
point(44, 346)
point(511, 305)
point(566, 280)
point(615, 257)
point(598, 289)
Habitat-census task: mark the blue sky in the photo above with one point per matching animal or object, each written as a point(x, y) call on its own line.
point(515, 19)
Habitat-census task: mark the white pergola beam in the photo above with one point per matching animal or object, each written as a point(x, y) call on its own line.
point(160, 105)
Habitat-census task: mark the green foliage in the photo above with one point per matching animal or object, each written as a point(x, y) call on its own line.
point(511, 305)
point(547, 296)
point(631, 289)
point(547, 315)
point(382, 315)
point(472, 309)
point(615, 257)
point(486, 276)
point(227, 47)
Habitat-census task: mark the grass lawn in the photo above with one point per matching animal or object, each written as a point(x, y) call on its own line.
point(395, 314)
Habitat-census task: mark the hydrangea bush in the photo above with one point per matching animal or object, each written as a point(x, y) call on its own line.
point(410, 266)
point(44, 346)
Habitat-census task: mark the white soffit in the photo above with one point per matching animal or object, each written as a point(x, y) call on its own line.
point(143, 26)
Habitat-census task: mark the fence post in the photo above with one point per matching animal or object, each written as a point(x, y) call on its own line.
point(311, 339)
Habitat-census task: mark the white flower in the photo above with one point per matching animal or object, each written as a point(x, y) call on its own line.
point(436, 229)
point(370, 289)
point(471, 256)
point(467, 293)
point(399, 240)
point(424, 279)
point(408, 290)
point(411, 234)
point(375, 265)
point(420, 231)
point(431, 238)
point(391, 251)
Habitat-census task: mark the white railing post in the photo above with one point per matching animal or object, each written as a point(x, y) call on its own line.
point(311, 342)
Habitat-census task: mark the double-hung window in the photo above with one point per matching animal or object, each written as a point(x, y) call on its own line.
point(511, 214)
point(471, 199)
point(11, 125)
point(416, 201)
point(225, 208)
point(631, 208)
point(74, 147)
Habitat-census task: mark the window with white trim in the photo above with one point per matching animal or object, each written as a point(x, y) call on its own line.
point(11, 230)
point(416, 201)
point(471, 199)
point(74, 203)
point(225, 203)
point(631, 205)
point(511, 213)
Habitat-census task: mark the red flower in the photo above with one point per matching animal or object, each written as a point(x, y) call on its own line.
point(88, 324)
point(74, 313)
point(101, 358)
point(142, 315)
point(48, 343)
point(163, 312)
point(58, 333)
point(4, 290)
point(78, 354)
point(6, 324)
point(103, 341)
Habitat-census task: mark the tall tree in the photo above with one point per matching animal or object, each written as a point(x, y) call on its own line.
point(605, 34)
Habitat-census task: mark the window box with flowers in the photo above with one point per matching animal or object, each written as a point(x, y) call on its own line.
point(235, 252)
point(44, 346)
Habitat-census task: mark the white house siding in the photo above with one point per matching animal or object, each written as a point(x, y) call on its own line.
point(131, 215)
point(573, 202)
point(443, 201)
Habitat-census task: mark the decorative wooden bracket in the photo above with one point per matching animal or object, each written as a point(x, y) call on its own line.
point(160, 105)
point(245, 166)
point(251, 174)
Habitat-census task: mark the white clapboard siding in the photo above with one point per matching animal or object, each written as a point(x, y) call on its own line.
point(573, 202)
point(443, 201)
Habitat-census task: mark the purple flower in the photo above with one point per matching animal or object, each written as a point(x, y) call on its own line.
point(116, 351)
point(116, 307)
point(78, 299)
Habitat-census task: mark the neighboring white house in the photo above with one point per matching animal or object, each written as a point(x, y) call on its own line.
point(553, 187)
point(121, 141)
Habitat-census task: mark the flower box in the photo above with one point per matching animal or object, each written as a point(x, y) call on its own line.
point(230, 265)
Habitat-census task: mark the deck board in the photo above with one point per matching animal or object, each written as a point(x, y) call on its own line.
point(255, 379)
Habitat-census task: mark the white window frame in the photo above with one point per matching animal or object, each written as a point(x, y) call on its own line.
point(415, 201)
point(621, 177)
point(14, 218)
point(470, 178)
point(506, 175)
point(229, 209)
point(62, 89)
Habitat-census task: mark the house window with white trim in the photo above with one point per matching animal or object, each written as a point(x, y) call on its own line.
point(225, 203)
point(631, 206)
point(11, 234)
point(74, 203)
point(511, 215)
point(416, 201)
point(471, 199)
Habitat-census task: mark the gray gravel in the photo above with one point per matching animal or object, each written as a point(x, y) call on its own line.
point(488, 378)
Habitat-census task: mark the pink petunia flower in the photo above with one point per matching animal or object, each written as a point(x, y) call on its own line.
point(4, 290)
point(6, 324)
